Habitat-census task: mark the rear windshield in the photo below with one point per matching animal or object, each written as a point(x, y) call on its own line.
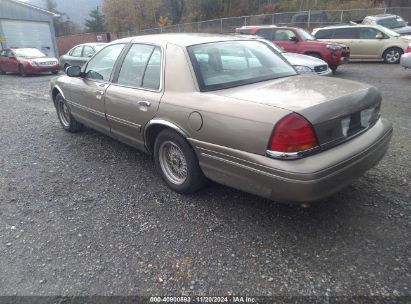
point(28, 53)
point(222, 65)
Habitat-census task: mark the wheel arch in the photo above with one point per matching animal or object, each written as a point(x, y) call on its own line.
point(394, 46)
point(154, 127)
point(55, 91)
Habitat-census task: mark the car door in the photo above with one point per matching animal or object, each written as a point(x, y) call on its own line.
point(134, 96)
point(350, 36)
point(74, 58)
point(86, 94)
point(371, 42)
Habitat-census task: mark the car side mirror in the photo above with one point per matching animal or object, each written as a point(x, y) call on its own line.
point(73, 71)
point(379, 36)
point(293, 38)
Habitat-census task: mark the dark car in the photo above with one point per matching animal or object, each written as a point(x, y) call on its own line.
point(297, 40)
point(79, 54)
point(27, 61)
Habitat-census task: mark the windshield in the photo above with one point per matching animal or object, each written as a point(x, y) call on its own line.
point(222, 65)
point(28, 53)
point(392, 23)
point(305, 35)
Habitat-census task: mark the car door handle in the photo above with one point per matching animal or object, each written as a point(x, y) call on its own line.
point(144, 103)
point(100, 92)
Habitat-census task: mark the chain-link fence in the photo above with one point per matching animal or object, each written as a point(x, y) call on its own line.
point(304, 19)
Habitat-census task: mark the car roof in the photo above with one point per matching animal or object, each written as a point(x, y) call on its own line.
point(180, 39)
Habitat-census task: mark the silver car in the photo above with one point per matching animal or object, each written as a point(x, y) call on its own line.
point(79, 54)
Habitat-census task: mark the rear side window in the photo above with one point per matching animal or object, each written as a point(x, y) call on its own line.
point(266, 33)
point(347, 33)
point(324, 34)
point(141, 67)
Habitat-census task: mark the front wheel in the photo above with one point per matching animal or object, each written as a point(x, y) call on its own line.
point(334, 68)
point(67, 121)
point(392, 55)
point(177, 163)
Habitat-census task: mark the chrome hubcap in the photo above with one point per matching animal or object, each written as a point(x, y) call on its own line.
point(64, 113)
point(173, 162)
point(393, 56)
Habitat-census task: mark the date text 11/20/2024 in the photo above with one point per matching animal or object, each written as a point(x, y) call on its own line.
point(203, 299)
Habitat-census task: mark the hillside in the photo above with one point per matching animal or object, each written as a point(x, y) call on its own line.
point(76, 10)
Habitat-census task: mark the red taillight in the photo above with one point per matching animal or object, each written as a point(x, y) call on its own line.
point(293, 134)
point(408, 50)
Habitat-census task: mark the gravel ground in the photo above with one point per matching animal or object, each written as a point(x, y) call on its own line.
point(82, 214)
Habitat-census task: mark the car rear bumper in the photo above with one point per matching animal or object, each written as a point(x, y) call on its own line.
point(303, 180)
point(29, 69)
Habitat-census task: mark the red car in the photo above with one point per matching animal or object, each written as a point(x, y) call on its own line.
point(297, 40)
point(27, 61)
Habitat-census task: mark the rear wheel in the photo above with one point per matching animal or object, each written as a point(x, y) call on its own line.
point(67, 121)
point(22, 72)
point(393, 55)
point(177, 163)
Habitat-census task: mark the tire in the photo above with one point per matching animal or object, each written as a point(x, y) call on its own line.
point(2, 72)
point(316, 55)
point(65, 67)
point(67, 121)
point(54, 72)
point(181, 173)
point(392, 55)
point(334, 68)
point(22, 72)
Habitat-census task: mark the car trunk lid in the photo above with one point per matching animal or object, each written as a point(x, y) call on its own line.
point(338, 109)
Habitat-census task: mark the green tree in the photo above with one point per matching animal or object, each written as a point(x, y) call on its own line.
point(96, 23)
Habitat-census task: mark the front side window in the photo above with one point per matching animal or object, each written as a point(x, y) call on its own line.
point(141, 67)
point(228, 64)
point(88, 51)
point(347, 33)
point(76, 52)
point(283, 35)
point(101, 65)
point(369, 33)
